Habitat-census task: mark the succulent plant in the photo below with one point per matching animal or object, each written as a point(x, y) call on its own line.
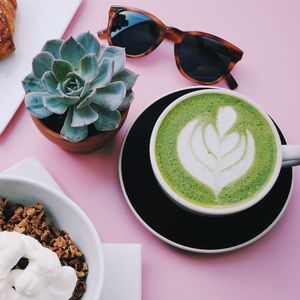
point(82, 80)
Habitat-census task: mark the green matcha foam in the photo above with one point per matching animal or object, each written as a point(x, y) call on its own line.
point(215, 150)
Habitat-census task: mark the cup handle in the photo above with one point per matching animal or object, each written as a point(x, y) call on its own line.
point(290, 155)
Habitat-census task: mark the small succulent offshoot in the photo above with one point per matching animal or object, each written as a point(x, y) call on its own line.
point(82, 80)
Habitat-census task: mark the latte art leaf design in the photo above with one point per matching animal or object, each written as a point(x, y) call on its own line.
point(211, 154)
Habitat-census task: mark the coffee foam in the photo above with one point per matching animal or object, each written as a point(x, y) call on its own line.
point(211, 154)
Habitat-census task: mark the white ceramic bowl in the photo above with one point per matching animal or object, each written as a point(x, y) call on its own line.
point(66, 215)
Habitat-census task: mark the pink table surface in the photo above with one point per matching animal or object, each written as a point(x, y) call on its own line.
point(268, 32)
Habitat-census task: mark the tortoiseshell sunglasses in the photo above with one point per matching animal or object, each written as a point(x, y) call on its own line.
point(200, 57)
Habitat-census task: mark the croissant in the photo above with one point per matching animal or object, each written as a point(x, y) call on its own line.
point(7, 26)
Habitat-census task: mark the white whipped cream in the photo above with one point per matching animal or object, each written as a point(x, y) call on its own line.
point(43, 279)
point(211, 154)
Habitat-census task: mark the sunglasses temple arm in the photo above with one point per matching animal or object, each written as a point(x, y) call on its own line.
point(231, 81)
point(102, 34)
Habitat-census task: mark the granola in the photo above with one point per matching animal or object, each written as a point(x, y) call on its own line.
point(31, 220)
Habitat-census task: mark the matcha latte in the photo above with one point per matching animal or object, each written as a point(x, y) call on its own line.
point(215, 150)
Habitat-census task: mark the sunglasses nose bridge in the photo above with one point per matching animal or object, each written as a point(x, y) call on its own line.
point(173, 34)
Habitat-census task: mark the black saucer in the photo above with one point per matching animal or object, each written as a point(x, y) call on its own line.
point(177, 226)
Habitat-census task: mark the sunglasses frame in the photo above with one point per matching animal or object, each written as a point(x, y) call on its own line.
point(177, 36)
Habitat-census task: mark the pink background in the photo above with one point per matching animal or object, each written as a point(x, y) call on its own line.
point(268, 32)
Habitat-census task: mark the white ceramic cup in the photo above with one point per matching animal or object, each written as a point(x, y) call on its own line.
point(287, 156)
point(66, 215)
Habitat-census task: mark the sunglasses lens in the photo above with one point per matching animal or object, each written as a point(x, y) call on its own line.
point(135, 32)
point(203, 58)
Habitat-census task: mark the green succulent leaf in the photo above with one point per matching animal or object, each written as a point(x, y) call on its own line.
point(107, 120)
point(128, 77)
point(105, 73)
point(50, 83)
point(84, 116)
point(73, 134)
point(70, 100)
point(34, 104)
point(85, 92)
point(89, 66)
point(89, 43)
point(111, 96)
point(61, 69)
point(41, 64)
point(55, 104)
point(73, 85)
point(53, 46)
point(86, 101)
point(31, 84)
point(59, 104)
point(126, 101)
point(72, 51)
point(118, 55)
